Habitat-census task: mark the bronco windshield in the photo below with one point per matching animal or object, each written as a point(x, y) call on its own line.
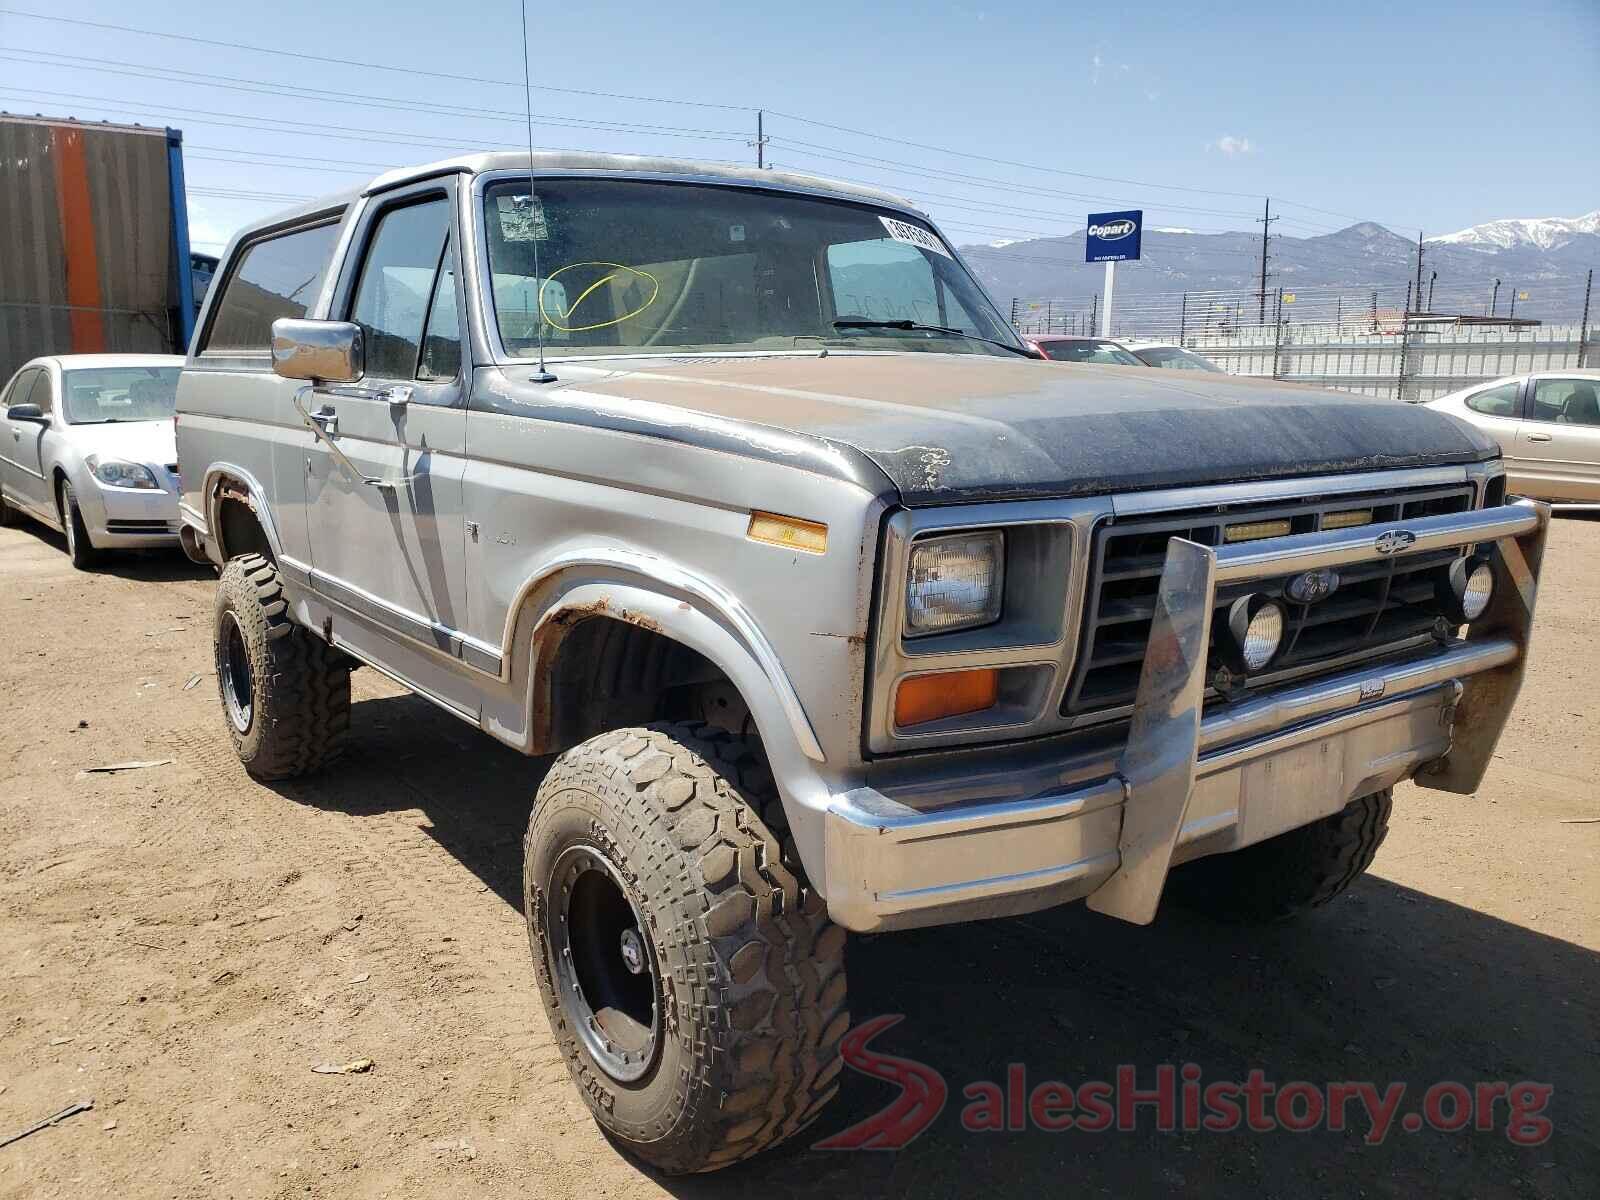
point(633, 267)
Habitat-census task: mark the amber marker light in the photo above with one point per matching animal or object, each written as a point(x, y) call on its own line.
point(924, 698)
point(1349, 519)
point(1254, 531)
point(792, 533)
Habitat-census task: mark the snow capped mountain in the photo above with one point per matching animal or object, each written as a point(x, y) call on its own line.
point(1544, 233)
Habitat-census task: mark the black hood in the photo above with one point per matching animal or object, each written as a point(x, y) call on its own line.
point(953, 428)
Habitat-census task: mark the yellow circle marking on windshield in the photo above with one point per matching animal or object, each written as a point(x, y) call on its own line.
point(615, 270)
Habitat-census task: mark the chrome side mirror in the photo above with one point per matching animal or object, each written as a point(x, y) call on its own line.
point(319, 351)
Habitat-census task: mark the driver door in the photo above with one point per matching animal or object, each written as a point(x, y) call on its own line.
point(11, 433)
point(26, 479)
point(389, 543)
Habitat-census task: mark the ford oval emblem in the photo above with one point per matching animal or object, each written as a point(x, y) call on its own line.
point(1393, 541)
point(1310, 586)
point(1112, 231)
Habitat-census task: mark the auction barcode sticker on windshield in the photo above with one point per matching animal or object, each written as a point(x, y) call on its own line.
point(914, 235)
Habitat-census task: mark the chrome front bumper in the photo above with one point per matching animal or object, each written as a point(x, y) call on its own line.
point(1187, 785)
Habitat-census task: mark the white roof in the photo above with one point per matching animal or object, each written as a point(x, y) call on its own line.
point(477, 164)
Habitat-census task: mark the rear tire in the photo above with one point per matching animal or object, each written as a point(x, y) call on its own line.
point(732, 1042)
point(285, 692)
point(79, 547)
point(1292, 873)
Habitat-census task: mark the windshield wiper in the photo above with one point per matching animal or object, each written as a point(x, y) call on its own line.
point(919, 327)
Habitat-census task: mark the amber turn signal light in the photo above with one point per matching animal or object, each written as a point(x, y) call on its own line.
point(925, 698)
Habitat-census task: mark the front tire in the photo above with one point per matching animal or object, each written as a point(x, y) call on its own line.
point(8, 515)
point(1292, 873)
point(285, 692)
point(79, 547)
point(692, 978)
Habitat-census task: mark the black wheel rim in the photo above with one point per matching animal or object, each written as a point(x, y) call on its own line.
point(605, 968)
point(233, 668)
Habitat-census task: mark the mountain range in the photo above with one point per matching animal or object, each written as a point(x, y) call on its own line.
point(1544, 257)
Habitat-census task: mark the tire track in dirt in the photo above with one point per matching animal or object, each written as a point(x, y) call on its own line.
point(424, 915)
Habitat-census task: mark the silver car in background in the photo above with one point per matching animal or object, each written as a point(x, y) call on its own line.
point(89, 448)
point(1548, 427)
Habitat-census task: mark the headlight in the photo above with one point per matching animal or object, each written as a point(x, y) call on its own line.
point(955, 582)
point(114, 472)
point(1256, 626)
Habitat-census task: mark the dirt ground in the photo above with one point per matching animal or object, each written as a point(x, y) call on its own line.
point(183, 945)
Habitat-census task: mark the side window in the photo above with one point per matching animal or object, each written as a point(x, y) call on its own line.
point(1566, 402)
point(276, 277)
point(17, 393)
point(1496, 401)
point(441, 340)
point(392, 295)
point(41, 393)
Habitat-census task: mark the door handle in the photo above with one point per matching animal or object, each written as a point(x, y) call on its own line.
point(1540, 437)
point(324, 425)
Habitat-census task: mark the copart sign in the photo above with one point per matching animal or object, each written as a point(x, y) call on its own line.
point(1113, 236)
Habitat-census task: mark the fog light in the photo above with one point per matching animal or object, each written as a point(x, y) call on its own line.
point(1255, 625)
point(1465, 589)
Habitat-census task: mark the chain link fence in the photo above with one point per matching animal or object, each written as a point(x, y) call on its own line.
point(1376, 341)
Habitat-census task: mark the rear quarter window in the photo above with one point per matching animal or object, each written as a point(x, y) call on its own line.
point(1496, 401)
point(277, 276)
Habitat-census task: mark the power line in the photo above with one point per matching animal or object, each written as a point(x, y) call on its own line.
point(393, 103)
point(345, 62)
point(637, 98)
point(814, 150)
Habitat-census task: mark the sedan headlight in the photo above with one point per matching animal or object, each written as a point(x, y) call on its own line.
point(116, 472)
point(955, 582)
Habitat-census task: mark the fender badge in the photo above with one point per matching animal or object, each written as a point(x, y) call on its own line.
point(1371, 689)
point(1393, 541)
point(1310, 586)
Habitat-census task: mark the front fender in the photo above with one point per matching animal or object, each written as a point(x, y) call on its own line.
point(679, 605)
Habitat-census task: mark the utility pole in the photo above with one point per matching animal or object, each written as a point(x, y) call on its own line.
point(1419, 270)
point(1583, 326)
point(1266, 218)
point(1513, 304)
point(1494, 298)
point(761, 139)
point(1431, 277)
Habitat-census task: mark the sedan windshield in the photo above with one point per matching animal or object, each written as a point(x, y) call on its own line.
point(631, 267)
point(1087, 350)
point(1176, 358)
point(100, 395)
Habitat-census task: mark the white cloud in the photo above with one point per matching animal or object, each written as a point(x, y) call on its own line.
point(1232, 146)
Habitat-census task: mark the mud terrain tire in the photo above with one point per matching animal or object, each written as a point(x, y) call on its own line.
point(747, 979)
point(285, 692)
point(1287, 875)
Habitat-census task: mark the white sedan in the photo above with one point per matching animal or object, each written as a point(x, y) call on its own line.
point(88, 447)
point(1548, 427)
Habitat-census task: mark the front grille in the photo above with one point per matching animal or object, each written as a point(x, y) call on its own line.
point(1377, 605)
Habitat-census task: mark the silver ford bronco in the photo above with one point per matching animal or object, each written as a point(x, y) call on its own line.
point(734, 492)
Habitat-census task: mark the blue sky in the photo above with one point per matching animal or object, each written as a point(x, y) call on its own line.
point(1420, 115)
